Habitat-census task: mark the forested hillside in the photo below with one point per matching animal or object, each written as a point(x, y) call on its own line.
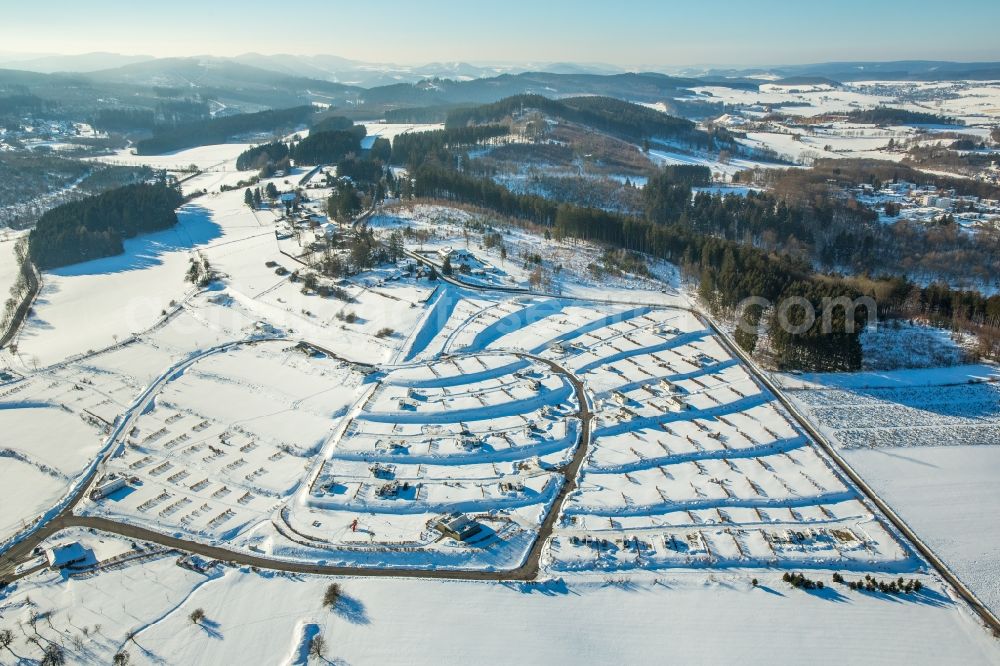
point(220, 130)
point(95, 227)
point(607, 114)
point(328, 147)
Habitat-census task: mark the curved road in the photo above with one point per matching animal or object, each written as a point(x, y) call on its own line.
point(529, 569)
point(987, 616)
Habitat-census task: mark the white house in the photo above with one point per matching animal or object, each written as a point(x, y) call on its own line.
point(67, 555)
point(108, 485)
point(456, 256)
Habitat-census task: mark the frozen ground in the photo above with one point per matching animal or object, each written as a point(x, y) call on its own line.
point(903, 408)
point(8, 264)
point(219, 157)
point(687, 618)
point(947, 494)
point(927, 441)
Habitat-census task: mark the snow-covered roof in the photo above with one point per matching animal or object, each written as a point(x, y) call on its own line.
point(67, 553)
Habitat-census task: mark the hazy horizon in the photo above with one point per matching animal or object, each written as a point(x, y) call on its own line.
point(643, 35)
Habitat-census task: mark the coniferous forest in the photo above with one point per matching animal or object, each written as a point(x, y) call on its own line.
point(220, 130)
point(328, 147)
point(607, 114)
point(95, 227)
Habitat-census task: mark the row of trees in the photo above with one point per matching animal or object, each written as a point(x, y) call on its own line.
point(95, 227)
point(887, 115)
point(15, 306)
point(331, 124)
point(167, 113)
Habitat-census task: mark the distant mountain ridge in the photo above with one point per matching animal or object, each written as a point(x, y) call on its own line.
point(896, 70)
point(254, 82)
point(244, 85)
point(83, 63)
point(364, 74)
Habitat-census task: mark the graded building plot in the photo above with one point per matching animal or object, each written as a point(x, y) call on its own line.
point(475, 435)
point(682, 437)
point(52, 427)
point(222, 443)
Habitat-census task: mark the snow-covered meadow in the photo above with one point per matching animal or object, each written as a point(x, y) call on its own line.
point(928, 441)
point(261, 617)
point(975, 104)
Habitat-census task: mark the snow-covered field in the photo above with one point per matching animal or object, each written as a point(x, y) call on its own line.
point(970, 101)
point(663, 157)
point(927, 441)
point(390, 131)
point(216, 157)
point(947, 494)
point(903, 408)
point(106, 300)
point(264, 618)
point(48, 439)
point(975, 104)
point(8, 265)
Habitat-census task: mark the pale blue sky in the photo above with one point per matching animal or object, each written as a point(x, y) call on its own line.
point(746, 32)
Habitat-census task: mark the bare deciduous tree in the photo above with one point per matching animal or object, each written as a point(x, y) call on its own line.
point(317, 646)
